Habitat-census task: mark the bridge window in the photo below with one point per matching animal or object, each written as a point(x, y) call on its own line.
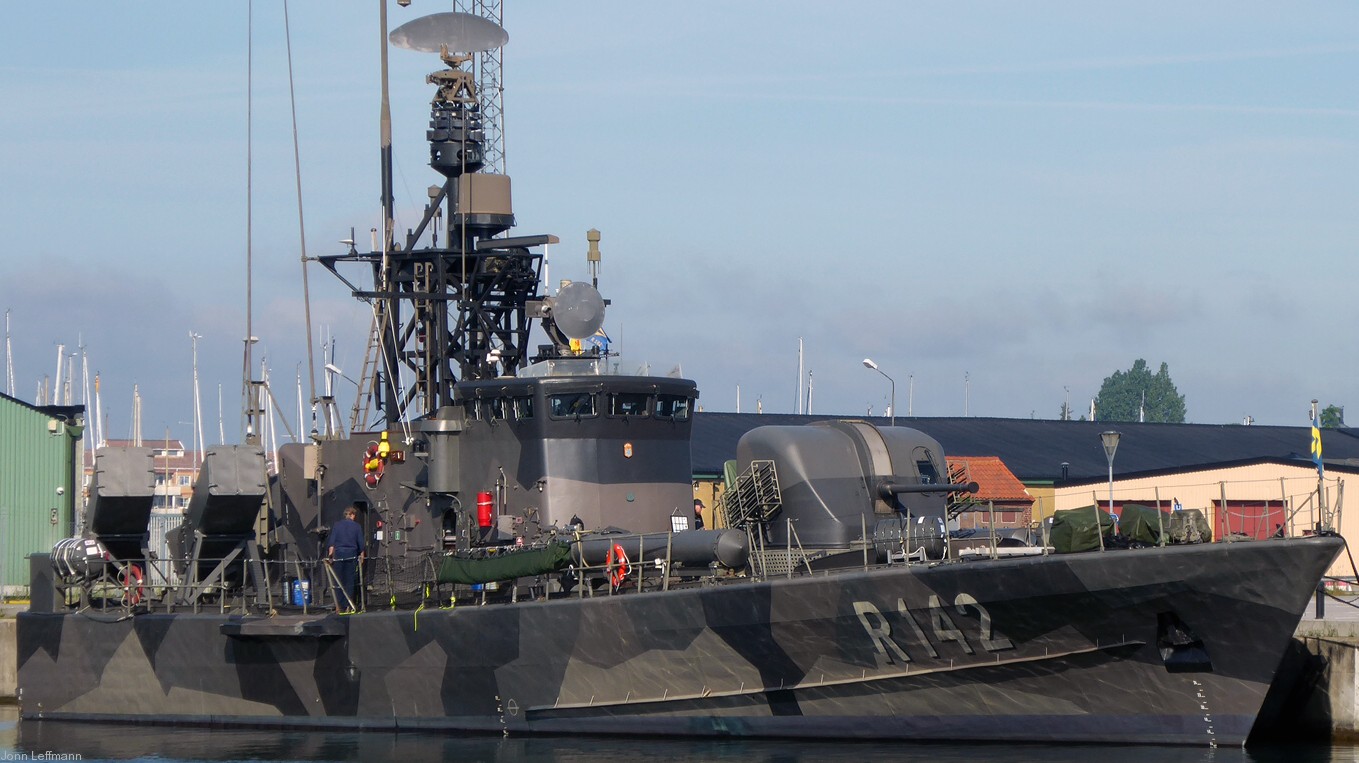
point(672, 407)
point(496, 408)
point(571, 405)
point(628, 404)
point(523, 408)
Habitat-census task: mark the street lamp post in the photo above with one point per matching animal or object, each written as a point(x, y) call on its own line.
point(1110, 440)
point(892, 414)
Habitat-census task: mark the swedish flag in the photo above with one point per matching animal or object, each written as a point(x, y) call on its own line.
point(1316, 443)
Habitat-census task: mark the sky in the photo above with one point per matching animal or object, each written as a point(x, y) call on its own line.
point(1000, 203)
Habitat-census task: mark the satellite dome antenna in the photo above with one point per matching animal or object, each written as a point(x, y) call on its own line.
point(449, 32)
point(480, 36)
point(578, 310)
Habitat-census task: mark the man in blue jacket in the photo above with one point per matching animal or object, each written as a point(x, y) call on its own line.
point(345, 555)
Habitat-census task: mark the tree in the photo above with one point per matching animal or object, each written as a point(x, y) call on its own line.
point(1332, 417)
point(1126, 394)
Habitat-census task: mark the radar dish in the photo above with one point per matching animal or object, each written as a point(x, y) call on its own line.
point(579, 310)
point(461, 32)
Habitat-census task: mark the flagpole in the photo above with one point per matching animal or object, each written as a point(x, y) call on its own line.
point(1325, 523)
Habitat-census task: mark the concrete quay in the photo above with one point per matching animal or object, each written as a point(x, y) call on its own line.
point(9, 668)
point(1329, 682)
point(9, 654)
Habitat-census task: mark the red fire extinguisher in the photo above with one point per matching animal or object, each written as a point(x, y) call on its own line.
point(484, 510)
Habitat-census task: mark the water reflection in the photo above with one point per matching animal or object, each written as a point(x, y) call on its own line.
point(98, 741)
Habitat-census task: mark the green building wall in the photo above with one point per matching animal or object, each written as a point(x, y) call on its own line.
point(38, 487)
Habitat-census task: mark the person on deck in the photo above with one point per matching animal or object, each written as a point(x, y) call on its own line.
point(345, 554)
point(698, 514)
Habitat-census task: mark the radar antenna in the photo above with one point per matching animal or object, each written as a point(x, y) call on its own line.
point(456, 311)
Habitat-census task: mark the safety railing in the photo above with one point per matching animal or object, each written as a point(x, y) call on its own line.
point(600, 565)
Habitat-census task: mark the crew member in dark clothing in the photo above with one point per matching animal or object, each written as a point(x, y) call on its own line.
point(345, 555)
point(698, 514)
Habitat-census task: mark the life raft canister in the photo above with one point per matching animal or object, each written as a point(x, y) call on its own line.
point(617, 564)
point(485, 511)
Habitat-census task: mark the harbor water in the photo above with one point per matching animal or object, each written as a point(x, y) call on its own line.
point(34, 741)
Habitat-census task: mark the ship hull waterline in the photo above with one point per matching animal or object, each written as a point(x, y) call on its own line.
point(1158, 646)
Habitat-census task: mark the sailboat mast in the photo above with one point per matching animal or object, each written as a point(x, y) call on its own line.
point(300, 419)
point(70, 379)
point(98, 415)
point(136, 417)
point(9, 360)
point(197, 406)
point(56, 380)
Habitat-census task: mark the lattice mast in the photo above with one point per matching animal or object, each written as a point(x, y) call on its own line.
point(488, 73)
point(457, 308)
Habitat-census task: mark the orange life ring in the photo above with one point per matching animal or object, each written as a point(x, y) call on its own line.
point(131, 579)
point(617, 563)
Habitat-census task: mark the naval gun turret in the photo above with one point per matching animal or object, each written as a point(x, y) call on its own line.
point(842, 480)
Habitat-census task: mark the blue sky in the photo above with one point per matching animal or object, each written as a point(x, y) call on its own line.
point(1026, 196)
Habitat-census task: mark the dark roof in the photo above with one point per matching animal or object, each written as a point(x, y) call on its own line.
point(1034, 449)
point(67, 412)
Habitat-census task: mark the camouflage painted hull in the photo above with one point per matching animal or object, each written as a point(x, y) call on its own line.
point(1175, 645)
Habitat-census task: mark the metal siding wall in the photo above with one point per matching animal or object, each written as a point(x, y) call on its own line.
point(159, 544)
point(36, 464)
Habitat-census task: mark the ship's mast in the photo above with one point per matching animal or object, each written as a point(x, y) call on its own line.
point(252, 390)
point(458, 309)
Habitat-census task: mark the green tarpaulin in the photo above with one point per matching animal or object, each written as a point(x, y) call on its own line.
point(507, 566)
point(1074, 529)
point(1143, 524)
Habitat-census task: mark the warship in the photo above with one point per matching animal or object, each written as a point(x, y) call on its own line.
point(532, 565)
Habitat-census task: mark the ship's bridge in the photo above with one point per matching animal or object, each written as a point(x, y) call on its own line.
point(608, 450)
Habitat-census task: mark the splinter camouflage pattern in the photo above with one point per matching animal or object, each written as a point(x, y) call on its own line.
point(1173, 645)
point(485, 453)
